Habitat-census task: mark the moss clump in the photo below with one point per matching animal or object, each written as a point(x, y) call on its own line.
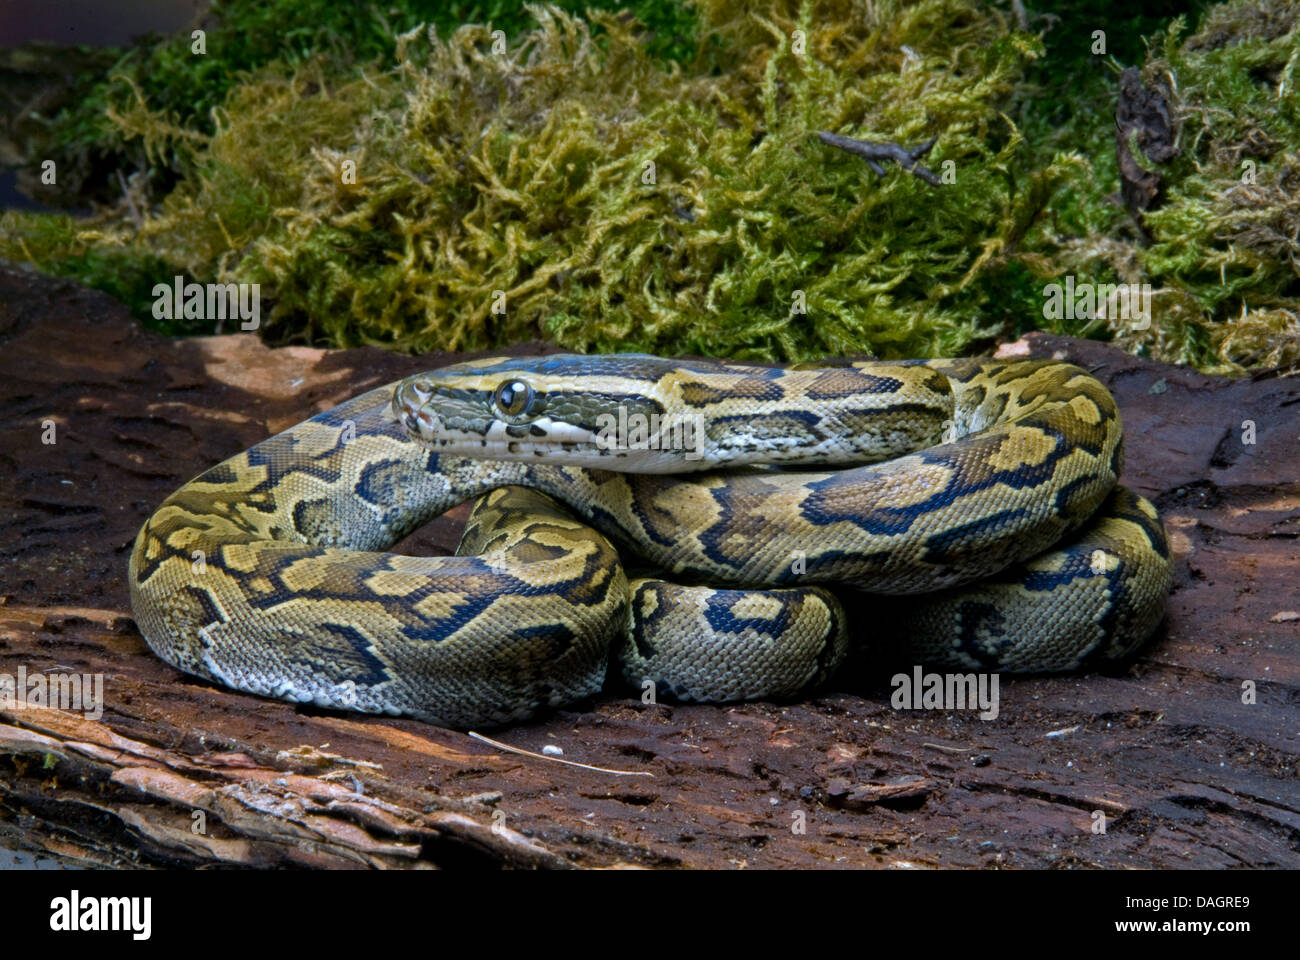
point(94, 132)
point(585, 192)
point(579, 185)
point(1227, 238)
point(61, 245)
point(1222, 258)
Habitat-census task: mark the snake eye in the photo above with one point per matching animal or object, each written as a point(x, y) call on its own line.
point(514, 398)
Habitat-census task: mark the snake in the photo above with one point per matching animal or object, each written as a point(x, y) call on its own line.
point(702, 530)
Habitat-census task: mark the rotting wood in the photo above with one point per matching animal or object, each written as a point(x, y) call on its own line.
point(1184, 772)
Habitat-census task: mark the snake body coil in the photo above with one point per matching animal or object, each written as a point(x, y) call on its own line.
point(1008, 547)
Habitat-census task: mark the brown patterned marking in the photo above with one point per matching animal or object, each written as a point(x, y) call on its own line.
point(911, 419)
point(336, 652)
point(744, 388)
point(844, 383)
point(281, 458)
point(530, 551)
point(317, 520)
point(755, 429)
point(937, 382)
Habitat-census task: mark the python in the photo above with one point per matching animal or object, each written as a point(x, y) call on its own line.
point(976, 552)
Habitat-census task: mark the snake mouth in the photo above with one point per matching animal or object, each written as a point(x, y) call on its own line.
point(411, 409)
point(430, 412)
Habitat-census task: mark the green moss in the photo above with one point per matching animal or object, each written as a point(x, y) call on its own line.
point(166, 78)
point(1227, 236)
point(1222, 258)
point(507, 196)
point(522, 179)
point(64, 247)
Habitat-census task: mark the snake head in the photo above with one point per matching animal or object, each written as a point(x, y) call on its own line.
point(563, 408)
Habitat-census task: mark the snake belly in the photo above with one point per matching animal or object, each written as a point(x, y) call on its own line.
point(1007, 548)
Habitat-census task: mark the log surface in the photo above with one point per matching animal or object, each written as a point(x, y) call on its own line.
point(1184, 768)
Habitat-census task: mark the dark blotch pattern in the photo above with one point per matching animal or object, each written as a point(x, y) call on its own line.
point(845, 383)
point(759, 388)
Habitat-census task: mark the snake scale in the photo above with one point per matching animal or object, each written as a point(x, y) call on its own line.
point(967, 510)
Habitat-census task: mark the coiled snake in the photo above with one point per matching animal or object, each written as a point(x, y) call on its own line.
point(996, 530)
